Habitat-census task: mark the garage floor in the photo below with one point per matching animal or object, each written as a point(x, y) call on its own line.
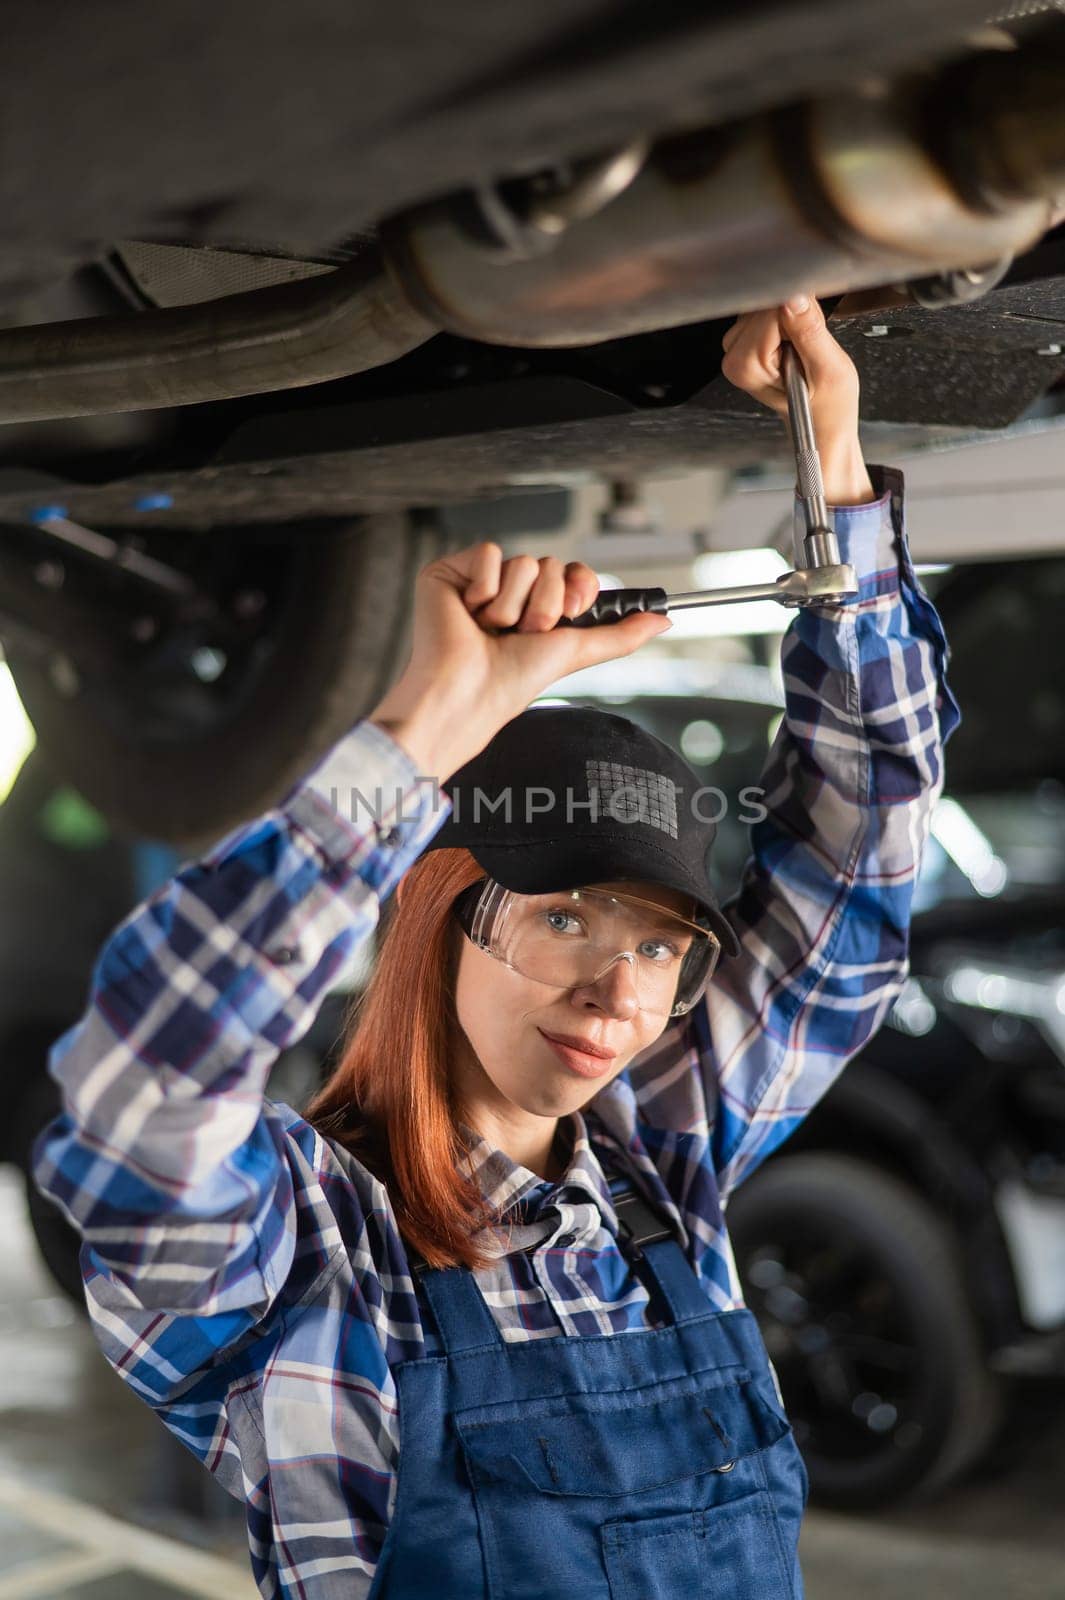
point(97, 1502)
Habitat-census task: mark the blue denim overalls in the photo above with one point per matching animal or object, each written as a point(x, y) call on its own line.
point(647, 1465)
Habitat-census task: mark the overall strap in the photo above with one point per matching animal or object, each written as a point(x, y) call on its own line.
point(463, 1320)
point(647, 1239)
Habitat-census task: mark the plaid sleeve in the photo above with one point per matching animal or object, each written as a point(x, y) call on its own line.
point(166, 1159)
point(823, 910)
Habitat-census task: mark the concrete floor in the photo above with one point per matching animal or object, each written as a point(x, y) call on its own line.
point(97, 1502)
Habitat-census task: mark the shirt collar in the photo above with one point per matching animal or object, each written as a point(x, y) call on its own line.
point(522, 1194)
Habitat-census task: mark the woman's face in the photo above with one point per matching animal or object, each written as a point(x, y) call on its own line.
point(504, 1059)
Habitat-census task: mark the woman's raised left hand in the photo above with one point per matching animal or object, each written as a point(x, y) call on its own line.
point(752, 362)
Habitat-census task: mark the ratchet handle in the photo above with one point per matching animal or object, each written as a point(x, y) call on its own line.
point(808, 474)
point(613, 605)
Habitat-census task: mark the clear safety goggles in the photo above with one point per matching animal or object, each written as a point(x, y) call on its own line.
point(572, 937)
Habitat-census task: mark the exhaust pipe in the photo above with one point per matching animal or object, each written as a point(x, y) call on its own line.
point(835, 195)
point(284, 337)
point(839, 194)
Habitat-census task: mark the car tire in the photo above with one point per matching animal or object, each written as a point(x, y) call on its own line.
point(337, 643)
point(835, 1254)
point(58, 1243)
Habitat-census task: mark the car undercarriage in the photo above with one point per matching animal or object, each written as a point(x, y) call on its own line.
point(274, 292)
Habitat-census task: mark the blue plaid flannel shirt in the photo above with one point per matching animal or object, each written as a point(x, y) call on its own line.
point(245, 1276)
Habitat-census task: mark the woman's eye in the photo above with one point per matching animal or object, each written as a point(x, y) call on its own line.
point(563, 916)
point(667, 951)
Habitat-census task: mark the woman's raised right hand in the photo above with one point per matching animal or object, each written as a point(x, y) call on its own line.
point(464, 679)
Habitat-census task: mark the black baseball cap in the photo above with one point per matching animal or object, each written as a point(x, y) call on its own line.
point(565, 796)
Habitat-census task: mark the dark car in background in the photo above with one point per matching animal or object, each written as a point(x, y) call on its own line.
point(904, 1250)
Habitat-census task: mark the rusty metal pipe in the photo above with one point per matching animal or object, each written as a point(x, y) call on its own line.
point(283, 337)
point(837, 195)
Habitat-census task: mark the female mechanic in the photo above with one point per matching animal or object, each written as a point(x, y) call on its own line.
point(470, 1325)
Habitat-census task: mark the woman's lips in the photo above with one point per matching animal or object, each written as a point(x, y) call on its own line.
point(579, 1061)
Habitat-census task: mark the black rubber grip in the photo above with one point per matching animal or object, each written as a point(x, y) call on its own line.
point(613, 605)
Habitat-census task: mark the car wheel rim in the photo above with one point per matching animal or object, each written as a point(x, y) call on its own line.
point(842, 1338)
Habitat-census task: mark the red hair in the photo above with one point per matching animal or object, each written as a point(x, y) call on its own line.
point(389, 1101)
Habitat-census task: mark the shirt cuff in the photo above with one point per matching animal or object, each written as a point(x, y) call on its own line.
point(871, 537)
point(366, 804)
